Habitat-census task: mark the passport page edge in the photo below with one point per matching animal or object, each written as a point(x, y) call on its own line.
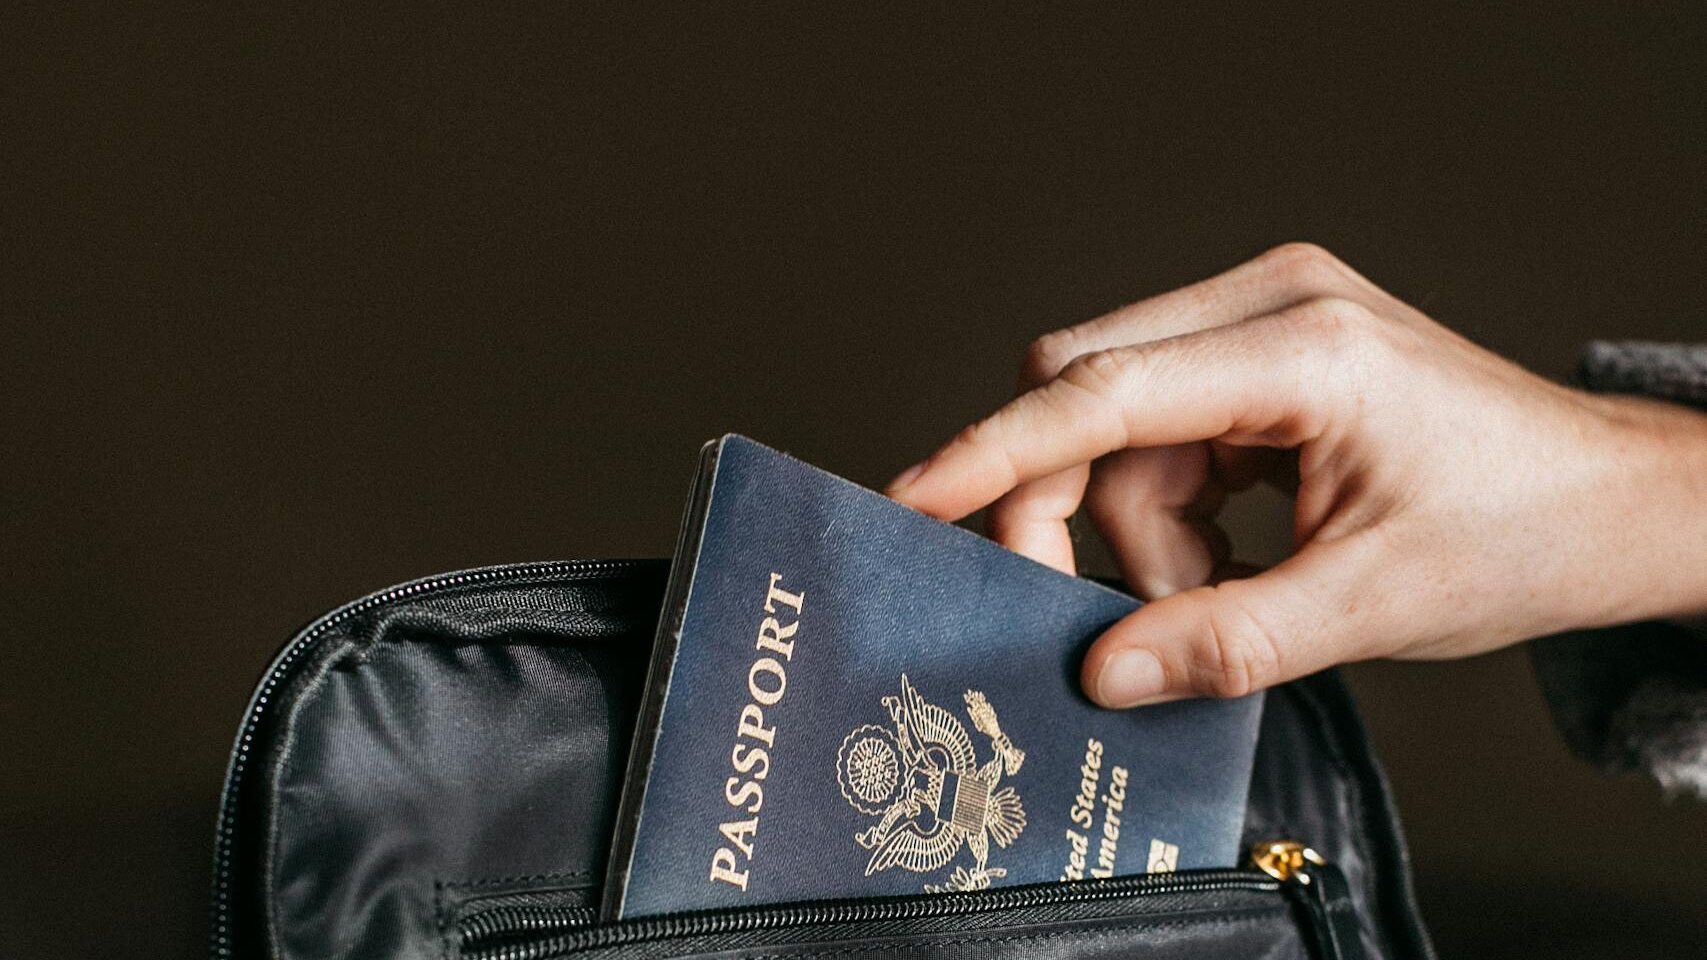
point(648, 725)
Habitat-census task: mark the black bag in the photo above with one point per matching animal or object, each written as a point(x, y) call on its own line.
point(431, 772)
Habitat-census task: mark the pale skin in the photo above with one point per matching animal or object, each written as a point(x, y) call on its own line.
point(1446, 501)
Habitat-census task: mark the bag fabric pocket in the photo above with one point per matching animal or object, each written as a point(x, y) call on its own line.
point(454, 746)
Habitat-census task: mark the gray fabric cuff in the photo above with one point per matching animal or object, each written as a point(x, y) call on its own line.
point(1667, 371)
point(1634, 697)
point(1631, 698)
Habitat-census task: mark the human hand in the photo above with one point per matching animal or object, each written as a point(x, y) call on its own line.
point(1447, 502)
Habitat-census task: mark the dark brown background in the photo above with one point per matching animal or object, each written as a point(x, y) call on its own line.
point(302, 304)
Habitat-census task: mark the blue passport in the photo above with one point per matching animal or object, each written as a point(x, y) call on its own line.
point(848, 699)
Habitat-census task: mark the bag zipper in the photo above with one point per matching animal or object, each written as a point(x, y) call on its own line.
point(1323, 891)
point(296, 650)
point(514, 922)
point(569, 939)
point(538, 933)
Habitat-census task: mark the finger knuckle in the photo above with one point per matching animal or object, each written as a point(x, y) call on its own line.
point(1103, 372)
point(975, 435)
point(1237, 653)
point(989, 436)
point(1047, 355)
point(1335, 322)
point(1304, 264)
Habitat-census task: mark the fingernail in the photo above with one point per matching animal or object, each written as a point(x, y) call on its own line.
point(906, 478)
point(1129, 678)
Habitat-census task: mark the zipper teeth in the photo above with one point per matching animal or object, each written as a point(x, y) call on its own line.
point(521, 921)
point(844, 912)
point(226, 832)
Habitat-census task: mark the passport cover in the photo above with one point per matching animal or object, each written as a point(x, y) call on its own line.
point(848, 698)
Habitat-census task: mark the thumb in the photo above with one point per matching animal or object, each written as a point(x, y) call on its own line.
point(1238, 636)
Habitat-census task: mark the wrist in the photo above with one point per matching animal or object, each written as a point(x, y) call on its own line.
point(1647, 554)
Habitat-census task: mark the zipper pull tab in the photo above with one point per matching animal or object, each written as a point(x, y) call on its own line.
point(1285, 859)
point(1323, 891)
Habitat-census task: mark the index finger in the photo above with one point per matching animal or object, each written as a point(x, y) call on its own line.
point(1244, 382)
point(1032, 518)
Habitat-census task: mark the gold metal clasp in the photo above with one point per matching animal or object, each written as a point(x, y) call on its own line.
point(1285, 860)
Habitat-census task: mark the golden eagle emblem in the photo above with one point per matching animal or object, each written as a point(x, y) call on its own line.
point(922, 779)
